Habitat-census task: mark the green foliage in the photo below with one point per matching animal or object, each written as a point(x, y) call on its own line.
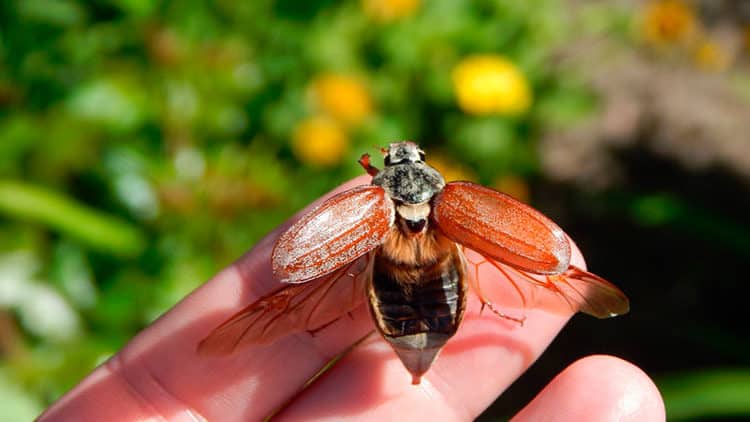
point(707, 394)
point(145, 145)
point(669, 210)
point(17, 405)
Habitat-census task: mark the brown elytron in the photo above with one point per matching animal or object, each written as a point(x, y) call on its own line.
point(399, 243)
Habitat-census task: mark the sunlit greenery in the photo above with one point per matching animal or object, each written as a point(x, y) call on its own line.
point(145, 145)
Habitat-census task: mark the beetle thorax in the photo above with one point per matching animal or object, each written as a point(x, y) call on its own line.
point(410, 183)
point(406, 178)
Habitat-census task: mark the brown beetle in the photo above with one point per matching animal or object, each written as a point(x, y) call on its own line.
point(400, 243)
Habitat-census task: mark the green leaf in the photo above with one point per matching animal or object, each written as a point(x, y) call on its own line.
point(54, 12)
point(118, 105)
point(17, 405)
point(96, 229)
point(707, 394)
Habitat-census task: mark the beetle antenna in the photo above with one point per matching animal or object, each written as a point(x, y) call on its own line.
point(364, 161)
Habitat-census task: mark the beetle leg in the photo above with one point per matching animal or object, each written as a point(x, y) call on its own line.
point(476, 286)
point(502, 315)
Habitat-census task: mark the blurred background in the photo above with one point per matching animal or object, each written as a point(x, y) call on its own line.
point(144, 145)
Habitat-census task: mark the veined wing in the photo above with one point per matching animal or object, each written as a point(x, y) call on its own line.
point(296, 307)
point(575, 290)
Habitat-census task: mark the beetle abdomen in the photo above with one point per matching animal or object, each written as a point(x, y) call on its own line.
point(426, 307)
point(418, 317)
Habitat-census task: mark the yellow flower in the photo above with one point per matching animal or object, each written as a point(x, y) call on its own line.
point(711, 56)
point(389, 10)
point(343, 97)
point(319, 141)
point(514, 186)
point(490, 84)
point(669, 22)
point(450, 171)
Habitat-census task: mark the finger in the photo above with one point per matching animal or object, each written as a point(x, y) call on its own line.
point(159, 374)
point(597, 388)
point(485, 356)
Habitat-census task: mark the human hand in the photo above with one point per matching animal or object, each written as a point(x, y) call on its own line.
point(159, 374)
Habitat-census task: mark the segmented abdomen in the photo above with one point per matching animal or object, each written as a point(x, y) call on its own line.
point(432, 304)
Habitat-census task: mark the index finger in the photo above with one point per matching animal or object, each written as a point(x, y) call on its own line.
point(160, 375)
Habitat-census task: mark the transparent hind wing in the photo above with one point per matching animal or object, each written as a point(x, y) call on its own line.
point(574, 290)
point(294, 308)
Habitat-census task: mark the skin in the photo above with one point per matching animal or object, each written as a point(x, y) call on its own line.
point(159, 376)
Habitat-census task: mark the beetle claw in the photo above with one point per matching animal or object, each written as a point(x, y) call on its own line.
point(520, 320)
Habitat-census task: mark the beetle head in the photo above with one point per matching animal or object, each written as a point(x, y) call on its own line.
point(403, 152)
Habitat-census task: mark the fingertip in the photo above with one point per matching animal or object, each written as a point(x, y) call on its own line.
point(597, 388)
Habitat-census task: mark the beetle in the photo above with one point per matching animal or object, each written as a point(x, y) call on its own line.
point(400, 244)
